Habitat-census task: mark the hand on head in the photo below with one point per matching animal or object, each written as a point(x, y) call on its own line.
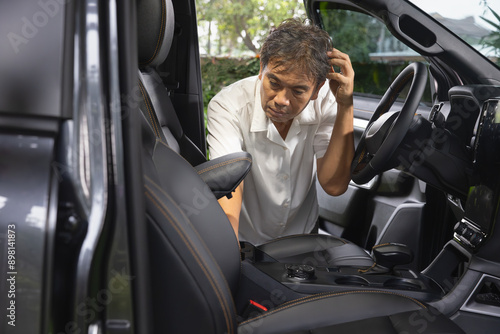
point(341, 83)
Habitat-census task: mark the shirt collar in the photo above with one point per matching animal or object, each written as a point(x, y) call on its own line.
point(259, 119)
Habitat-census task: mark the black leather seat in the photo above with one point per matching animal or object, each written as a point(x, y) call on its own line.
point(155, 34)
point(156, 25)
point(156, 28)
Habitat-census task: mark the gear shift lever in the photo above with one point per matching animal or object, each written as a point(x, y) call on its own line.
point(387, 256)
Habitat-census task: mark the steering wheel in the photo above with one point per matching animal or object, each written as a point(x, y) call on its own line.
point(385, 130)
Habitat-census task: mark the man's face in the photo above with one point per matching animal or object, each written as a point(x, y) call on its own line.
point(284, 94)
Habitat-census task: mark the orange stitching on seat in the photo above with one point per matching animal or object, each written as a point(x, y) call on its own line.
point(223, 164)
point(380, 245)
point(366, 270)
point(150, 111)
point(160, 37)
point(204, 267)
point(195, 255)
point(374, 263)
point(326, 295)
point(182, 212)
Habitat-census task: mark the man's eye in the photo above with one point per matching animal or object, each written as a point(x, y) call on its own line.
point(298, 92)
point(273, 84)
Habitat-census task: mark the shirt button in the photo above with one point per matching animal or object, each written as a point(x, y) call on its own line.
point(285, 205)
point(285, 177)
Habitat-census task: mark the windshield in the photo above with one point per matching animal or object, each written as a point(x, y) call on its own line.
point(477, 22)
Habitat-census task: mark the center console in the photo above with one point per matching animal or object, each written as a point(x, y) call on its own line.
point(308, 279)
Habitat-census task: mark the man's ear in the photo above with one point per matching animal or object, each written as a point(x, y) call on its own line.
point(260, 71)
point(316, 92)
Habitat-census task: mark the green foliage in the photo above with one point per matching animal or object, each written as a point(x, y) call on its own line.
point(217, 73)
point(351, 33)
point(357, 34)
point(493, 39)
point(375, 78)
point(241, 25)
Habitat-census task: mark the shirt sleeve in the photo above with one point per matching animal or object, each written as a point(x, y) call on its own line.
point(223, 127)
point(326, 107)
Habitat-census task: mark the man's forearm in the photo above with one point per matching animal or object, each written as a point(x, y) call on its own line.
point(334, 168)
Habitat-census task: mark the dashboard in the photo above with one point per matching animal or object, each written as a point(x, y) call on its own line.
point(481, 127)
point(457, 149)
point(484, 181)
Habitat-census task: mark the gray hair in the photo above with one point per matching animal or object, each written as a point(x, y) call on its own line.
point(298, 45)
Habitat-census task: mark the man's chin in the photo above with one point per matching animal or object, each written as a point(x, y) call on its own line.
point(276, 117)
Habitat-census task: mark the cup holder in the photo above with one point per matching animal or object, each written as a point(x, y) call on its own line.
point(352, 280)
point(403, 284)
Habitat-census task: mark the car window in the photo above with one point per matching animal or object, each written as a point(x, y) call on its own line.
point(476, 22)
point(376, 55)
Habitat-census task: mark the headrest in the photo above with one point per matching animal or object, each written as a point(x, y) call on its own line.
point(155, 31)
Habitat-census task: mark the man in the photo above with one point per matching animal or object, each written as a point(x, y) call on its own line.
point(294, 126)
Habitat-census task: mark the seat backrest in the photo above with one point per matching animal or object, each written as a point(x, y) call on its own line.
point(156, 25)
point(194, 254)
point(155, 35)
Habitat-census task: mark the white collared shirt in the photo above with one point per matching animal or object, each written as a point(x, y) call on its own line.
point(279, 195)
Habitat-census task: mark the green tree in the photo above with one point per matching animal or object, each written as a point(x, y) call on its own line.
point(493, 39)
point(242, 25)
point(352, 32)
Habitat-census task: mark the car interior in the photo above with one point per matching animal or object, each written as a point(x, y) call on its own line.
point(106, 183)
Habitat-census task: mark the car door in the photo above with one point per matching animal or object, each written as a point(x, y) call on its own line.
point(390, 207)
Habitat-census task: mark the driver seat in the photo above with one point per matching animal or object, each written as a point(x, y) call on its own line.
point(156, 25)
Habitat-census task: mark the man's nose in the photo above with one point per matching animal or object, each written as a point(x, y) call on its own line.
point(281, 98)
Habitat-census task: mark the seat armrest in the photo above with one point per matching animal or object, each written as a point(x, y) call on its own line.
point(224, 174)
